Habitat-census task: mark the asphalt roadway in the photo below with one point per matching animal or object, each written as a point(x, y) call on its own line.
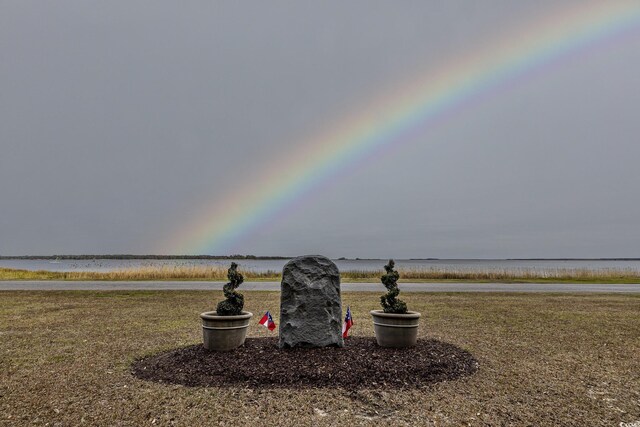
point(25, 285)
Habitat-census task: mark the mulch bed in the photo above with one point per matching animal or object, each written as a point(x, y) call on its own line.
point(259, 363)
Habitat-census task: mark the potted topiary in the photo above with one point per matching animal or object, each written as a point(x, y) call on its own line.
point(226, 328)
point(394, 325)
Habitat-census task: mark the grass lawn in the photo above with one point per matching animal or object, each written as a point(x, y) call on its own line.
point(545, 360)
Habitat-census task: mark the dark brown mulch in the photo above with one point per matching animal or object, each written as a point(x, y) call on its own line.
point(259, 363)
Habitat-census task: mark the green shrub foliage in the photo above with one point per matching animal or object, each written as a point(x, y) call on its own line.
point(390, 302)
point(235, 301)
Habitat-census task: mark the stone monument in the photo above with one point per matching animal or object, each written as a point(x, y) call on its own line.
point(310, 305)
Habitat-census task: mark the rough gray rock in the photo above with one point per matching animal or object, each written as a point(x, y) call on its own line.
point(310, 305)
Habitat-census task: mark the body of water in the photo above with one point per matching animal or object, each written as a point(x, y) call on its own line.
point(343, 265)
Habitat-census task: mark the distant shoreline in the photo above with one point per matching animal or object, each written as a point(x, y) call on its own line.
point(261, 257)
point(125, 257)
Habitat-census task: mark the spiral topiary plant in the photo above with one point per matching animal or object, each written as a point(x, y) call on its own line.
point(390, 302)
point(234, 303)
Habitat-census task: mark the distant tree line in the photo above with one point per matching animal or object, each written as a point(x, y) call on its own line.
point(129, 256)
point(237, 256)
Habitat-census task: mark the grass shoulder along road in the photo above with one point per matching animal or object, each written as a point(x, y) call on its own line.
point(544, 360)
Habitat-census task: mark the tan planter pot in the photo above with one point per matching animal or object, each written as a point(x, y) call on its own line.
point(224, 333)
point(395, 330)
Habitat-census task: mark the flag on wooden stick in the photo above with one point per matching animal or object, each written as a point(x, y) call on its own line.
point(348, 323)
point(267, 321)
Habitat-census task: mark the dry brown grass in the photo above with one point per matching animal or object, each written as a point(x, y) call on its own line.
point(545, 360)
point(507, 275)
point(217, 273)
point(139, 273)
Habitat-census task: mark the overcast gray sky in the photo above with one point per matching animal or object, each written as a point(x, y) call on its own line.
point(121, 121)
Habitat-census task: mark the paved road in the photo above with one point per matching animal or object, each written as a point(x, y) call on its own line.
point(364, 287)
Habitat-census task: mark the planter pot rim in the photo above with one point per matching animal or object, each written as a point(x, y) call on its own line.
point(212, 315)
point(407, 315)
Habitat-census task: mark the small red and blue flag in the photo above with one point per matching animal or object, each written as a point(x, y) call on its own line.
point(267, 321)
point(348, 323)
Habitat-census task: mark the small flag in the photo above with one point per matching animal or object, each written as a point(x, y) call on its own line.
point(267, 321)
point(348, 323)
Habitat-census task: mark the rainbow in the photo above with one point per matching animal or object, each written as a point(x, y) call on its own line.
point(432, 95)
